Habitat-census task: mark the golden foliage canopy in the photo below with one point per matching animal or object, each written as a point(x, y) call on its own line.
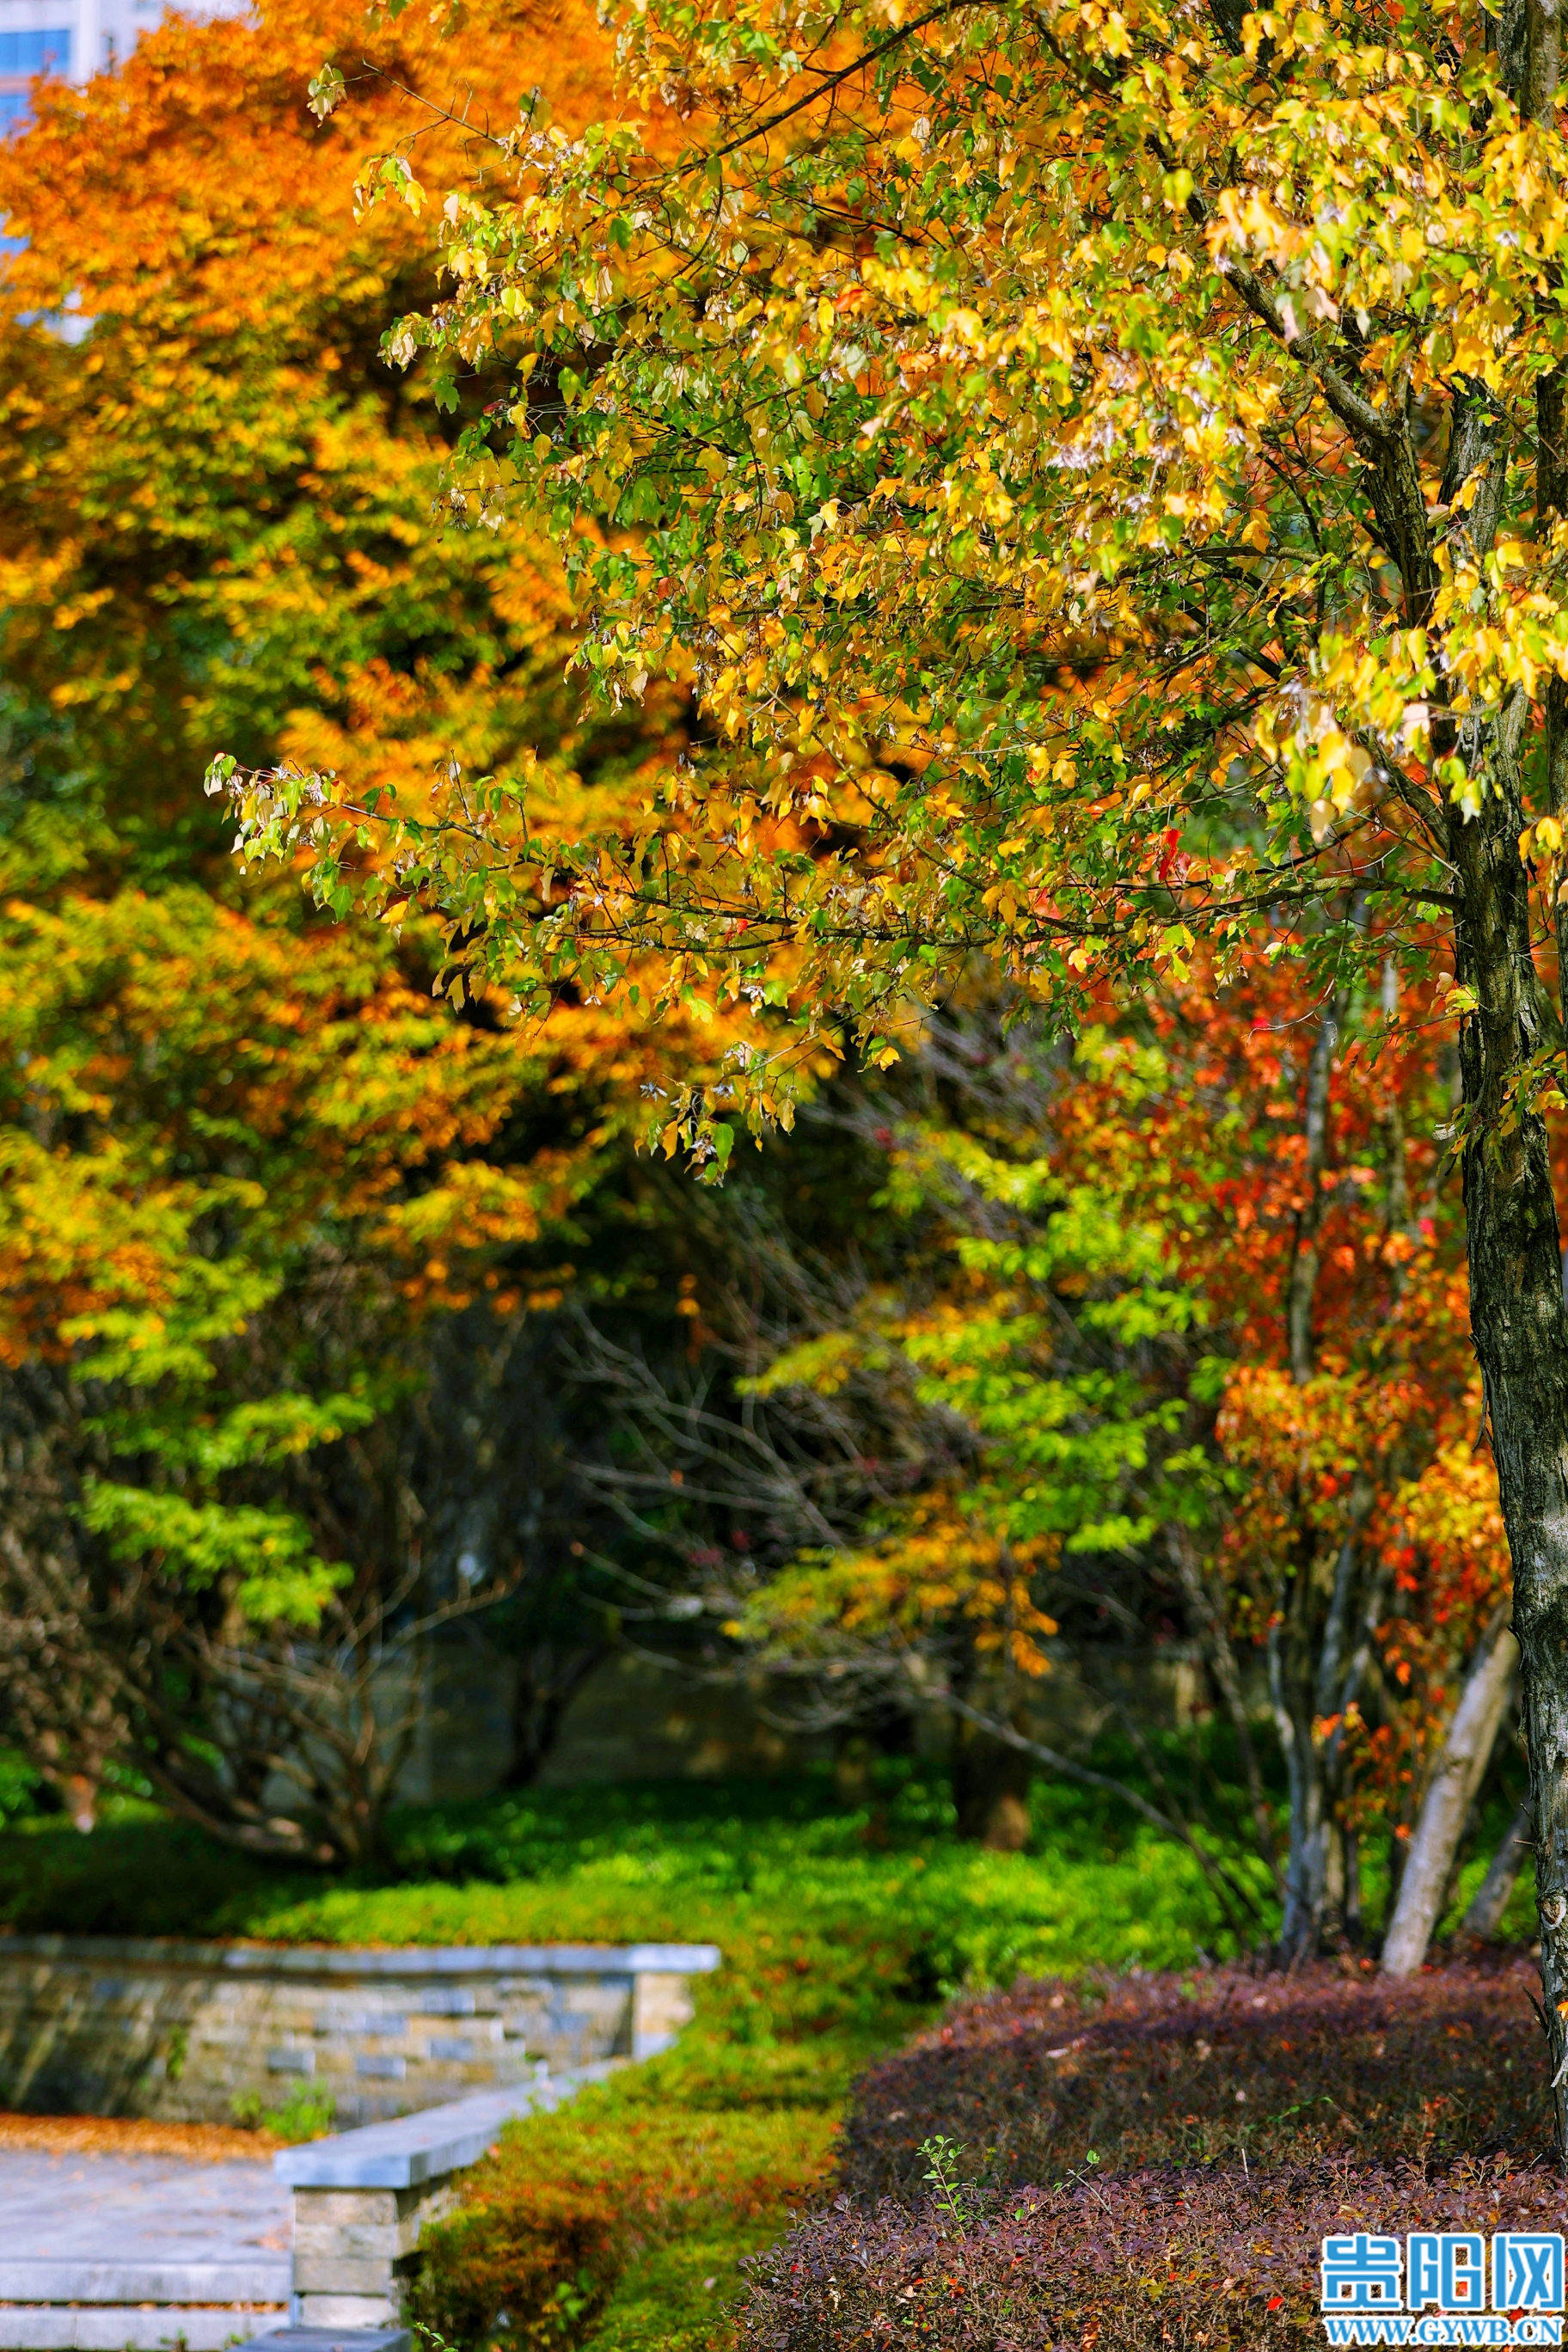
point(1084, 457)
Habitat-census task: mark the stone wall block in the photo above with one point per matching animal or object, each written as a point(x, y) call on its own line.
point(118, 2027)
point(454, 2000)
point(485, 2032)
point(337, 2272)
point(346, 2311)
point(661, 2006)
point(358, 2242)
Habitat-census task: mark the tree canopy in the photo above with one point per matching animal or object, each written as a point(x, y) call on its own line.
point(1012, 424)
point(1050, 505)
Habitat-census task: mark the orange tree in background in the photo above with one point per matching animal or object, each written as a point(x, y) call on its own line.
point(240, 1170)
point(268, 1227)
point(1185, 1314)
point(1104, 466)
point(1362, 1551)
point(216, 506)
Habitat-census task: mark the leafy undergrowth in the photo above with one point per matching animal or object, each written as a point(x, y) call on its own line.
point(619, 2221)
point(1152, 2162)
point(641, 1859)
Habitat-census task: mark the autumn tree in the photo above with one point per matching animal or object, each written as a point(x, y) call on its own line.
point(270, 1400)
point(218, 500)
point(1167, 1332)
point(247, 1176)
point(1361, 1557)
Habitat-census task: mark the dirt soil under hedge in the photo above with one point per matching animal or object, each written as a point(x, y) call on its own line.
point(1150, 2162)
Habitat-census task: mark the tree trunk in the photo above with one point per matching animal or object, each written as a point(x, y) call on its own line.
point(548, 1680)
point(1301, 1291)
point(1489, 1900)
point(1517, 1311)
point(990, 1788)
point(1521, 1338)
point(1508, 1035)
point(1303, 1689)
point(1208, 1622)
point(1294, 1668)
point(1465, 1753)
point(1351, 1875)
point(1316, 1669)
point(1306, 1867)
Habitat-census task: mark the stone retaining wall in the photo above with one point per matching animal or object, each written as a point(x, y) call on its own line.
point(182, 2031)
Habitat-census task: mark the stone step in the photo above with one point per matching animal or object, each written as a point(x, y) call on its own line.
point(131, 2327)
point(257, 2279)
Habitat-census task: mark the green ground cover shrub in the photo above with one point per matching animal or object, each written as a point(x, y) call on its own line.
point(305, 2113)
point(636, 1859)
point(619, 2221)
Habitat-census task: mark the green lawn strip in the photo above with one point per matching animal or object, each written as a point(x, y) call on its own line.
point(648, 1859)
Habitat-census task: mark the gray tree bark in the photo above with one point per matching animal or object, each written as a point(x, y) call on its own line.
point(1307, 1673)
point(1516, 1316)
point(1462, 1763)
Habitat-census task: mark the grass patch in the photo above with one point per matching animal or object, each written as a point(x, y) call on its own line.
point(841, 1927)
point(304, 2114)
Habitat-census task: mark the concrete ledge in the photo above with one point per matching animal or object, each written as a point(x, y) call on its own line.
point(400, 1960)
point(363, 2199)
point(332, 2339)
point(415, 2149)
point(264, 2279)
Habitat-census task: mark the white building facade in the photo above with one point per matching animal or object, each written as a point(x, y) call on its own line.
point(76, 38)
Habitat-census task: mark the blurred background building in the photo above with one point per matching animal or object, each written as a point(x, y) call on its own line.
point(76, 38)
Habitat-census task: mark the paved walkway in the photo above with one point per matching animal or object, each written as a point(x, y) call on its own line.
point(102, 2253)
point(141, 2209)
